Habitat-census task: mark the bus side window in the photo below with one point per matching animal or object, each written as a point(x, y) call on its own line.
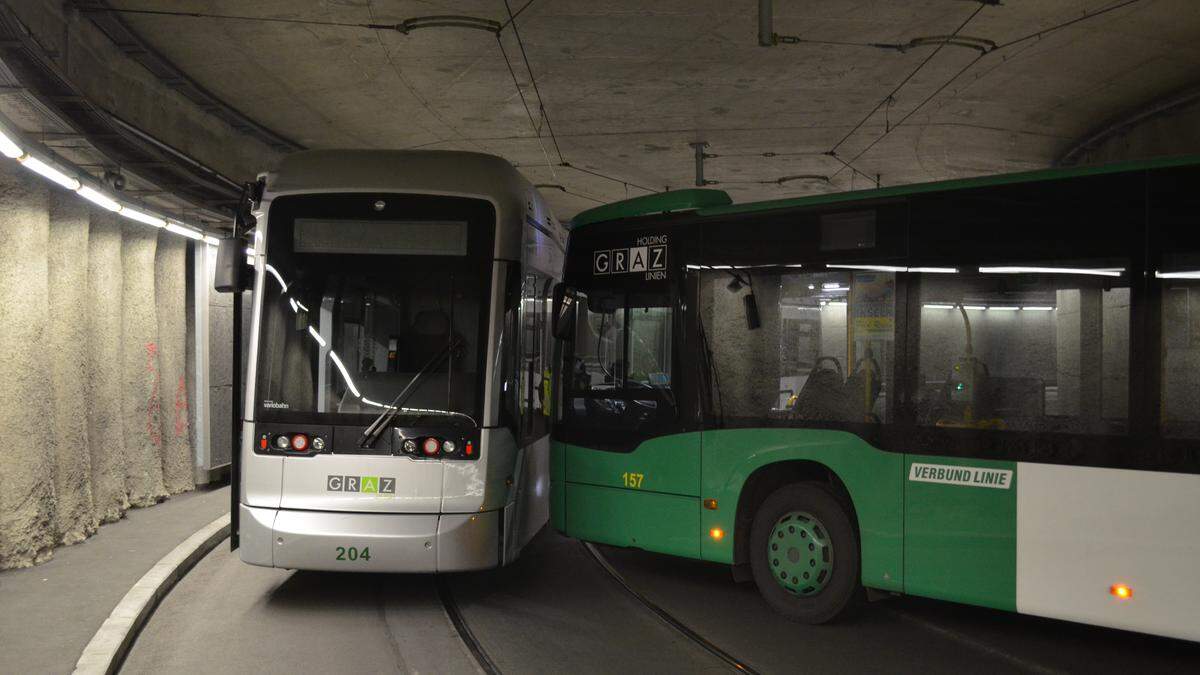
point(823, 353)
point(1181, 358)
point(1044, 352)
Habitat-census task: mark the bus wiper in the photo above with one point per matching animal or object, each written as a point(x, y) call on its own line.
point(376, 429)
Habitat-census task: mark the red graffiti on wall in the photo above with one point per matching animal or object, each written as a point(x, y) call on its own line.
point(181, 408)
point(153, 404)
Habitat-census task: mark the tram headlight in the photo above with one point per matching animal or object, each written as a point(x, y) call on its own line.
point(431, 446)
point(449, 447)
point(318, 443)
point(410, 446)
point(283, 442)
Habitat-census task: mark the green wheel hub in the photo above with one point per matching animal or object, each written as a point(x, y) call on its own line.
point(799, 553)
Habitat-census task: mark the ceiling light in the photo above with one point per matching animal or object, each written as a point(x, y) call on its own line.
point(1012, 269)
point(149, 219)
point(45, 170)
point(184, 231)
point(1192, 274)
point(873, 268)
point(9, 148)
point(99, 198)
point(934, 270)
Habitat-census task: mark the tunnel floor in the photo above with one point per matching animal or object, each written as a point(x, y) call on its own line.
point(557, 610)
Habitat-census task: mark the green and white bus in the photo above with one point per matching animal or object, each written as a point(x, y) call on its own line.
point(985, 391)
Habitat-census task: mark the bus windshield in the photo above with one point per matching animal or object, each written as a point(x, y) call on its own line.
point(344, 333)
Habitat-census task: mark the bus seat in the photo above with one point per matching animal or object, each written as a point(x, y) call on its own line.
point(823, 395)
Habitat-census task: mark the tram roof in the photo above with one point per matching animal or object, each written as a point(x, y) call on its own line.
point(710, 202)
point(440, 172)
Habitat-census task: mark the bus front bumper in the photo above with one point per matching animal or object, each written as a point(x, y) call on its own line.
point(369, 542)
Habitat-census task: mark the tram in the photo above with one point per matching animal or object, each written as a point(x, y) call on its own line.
point(396, 415)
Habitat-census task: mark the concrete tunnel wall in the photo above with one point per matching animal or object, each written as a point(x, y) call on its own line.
point(94, 414)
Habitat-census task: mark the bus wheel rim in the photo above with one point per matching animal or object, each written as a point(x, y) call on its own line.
point(800, 554)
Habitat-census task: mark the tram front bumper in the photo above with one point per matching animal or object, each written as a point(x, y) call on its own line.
point(369, 542)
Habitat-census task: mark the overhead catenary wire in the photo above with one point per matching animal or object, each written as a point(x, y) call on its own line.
point(905, 81)
point(533, 80)
point(512, 17)
point(1001, 46)
point(404, 26)
point(528, 113)
point(420, 22)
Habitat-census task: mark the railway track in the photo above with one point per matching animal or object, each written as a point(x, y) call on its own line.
point(666, 617)
point(485, 662)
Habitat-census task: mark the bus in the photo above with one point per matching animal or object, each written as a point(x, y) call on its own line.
point(397, 415)
point(985, 391)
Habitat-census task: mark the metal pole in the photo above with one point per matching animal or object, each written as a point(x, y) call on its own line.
point(699, 148)
point(235, 457)
point(766, 32)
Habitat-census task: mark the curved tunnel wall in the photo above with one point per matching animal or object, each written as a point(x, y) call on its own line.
point(94, 383)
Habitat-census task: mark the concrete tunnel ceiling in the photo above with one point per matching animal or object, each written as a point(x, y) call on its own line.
point(627, 86)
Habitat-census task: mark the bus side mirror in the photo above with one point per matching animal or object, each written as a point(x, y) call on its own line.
point(564, 312)
point(232, 274)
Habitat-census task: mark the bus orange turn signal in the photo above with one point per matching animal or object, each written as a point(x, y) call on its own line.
point(710, 504)
point(717, 533)
point(1121, 591)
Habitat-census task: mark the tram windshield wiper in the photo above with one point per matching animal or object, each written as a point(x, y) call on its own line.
point(381, 423)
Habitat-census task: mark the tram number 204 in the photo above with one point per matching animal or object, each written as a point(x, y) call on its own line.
point(353, 553)
point(633, 480)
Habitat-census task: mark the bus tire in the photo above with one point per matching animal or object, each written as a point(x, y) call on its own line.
point(804, 554)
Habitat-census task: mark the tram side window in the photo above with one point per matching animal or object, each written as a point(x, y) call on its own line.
point(1181, 358)
point(533, 397)
point(1024, 351)
point(823, 353)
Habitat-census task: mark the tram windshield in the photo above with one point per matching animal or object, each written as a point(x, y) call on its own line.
point(353, 311)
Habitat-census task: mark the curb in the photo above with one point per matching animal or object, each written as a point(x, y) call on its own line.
point(108, 647)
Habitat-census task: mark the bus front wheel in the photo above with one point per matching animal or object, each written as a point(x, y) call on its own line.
point(804, 554)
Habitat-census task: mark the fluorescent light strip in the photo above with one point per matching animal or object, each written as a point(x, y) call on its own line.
point(47, 171)
point(1003, 309)
point(316, 336)
point(896, 268)
point(301, 305)
point(349, 383)
point(295, 308)
point(212, 241)
point(1111, 272)
point(98, 198)
point(184, 231)
point(934, 270)
point(978, 308)
point(1036, 308)
point(837, 303)
point(1191, 274)
point(142, 217)
point(936, 306)
point(376, 404)
point(873, 268)
point(9, 148)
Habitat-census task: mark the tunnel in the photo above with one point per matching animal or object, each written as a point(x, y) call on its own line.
point(599, 336)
